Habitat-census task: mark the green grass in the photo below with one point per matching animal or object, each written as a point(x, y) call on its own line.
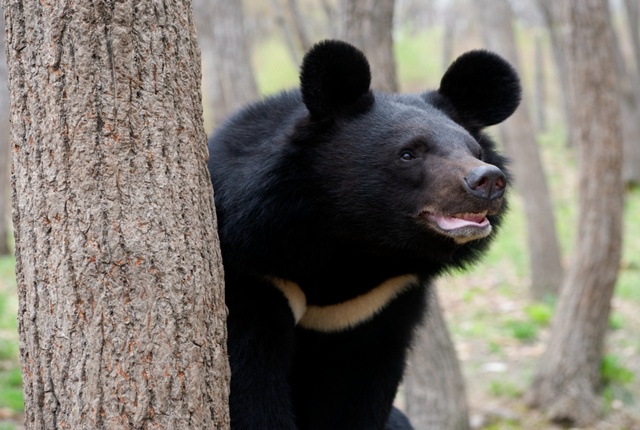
point(504, 425)
point(628, 285)
point(11, 398)
point(612, 372)
point(539, 313)
point(10, 377)
point(616, 321)
point(494, 347)
point(523, 330)
point(7, 271)
point(11, 389)
point(505, 388)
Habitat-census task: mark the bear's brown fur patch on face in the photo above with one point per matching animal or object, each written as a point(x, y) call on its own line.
point(452, 210)
point(345, 315)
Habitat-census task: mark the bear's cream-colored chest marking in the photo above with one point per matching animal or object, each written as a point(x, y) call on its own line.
point(345, 315)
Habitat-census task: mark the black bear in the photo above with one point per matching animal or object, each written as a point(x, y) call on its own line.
point(336, 207)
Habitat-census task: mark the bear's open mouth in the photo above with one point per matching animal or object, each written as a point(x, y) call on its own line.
point(462, 227)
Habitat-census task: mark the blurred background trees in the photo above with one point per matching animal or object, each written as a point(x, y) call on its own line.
point(519, 139)
point(567, 381)
point(226, 56)
point(252, 49)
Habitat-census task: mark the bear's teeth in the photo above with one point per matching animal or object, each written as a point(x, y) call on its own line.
point(468, 216)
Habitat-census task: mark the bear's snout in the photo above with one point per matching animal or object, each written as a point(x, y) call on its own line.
point(486, 182)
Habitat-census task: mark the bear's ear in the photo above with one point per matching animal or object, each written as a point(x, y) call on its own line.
point(482, 87)
point(335, 80)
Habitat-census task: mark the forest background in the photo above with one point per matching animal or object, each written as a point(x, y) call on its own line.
point(498, 330)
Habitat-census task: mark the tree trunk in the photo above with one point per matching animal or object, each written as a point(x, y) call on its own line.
point(215, 107)
point(434, 387)
point(631, 108)
point(330, 12)
point(520, 144)
point(298, 23)
point(549, 10)
point(629, 85)
point(121, 315)
point(4, 149)
point(633, 13)
point(448, 37)
point(539, 86)
point(368, 24)
point(225, 46)
point(282, 23)
point(568, 375)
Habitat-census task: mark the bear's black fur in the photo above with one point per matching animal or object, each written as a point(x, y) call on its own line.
point(335, 209)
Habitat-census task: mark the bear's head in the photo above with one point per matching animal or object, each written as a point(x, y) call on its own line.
point(407, 174)
point(337, 173)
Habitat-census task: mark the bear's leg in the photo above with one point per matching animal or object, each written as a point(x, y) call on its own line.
point(260, 348)
point(348, 380)
point(398, 421)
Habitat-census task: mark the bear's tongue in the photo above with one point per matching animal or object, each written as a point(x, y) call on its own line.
point(460, 220)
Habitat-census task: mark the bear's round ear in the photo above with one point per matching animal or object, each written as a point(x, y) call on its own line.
point(483, 88)
point(335, 80)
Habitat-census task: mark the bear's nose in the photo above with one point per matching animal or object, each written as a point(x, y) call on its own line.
point(486, 182)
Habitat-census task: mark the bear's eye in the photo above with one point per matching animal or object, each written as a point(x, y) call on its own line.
point(407, 156)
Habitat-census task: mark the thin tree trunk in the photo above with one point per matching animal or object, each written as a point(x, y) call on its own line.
point(368, 24)
point(216, 109)
point(299, 25)
point(225, 46)
point(549, 10)
point(121, 312)
point(633, 15)
point(631, 109)
point(520, 145)
point(629, 85)
point(288, 38)
point(448, 37)
point(539, 86)
point(434, 387)
point(330, 12)
point(568, 375)
point(4, 149)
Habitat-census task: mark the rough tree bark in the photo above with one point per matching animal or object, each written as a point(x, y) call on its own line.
point(4, 148)
point(549, 10)
point(121, 310)
point(568, 376)
point(631, 109)
point(433, 386)
point(298, 23)
point(368, 24)
point(225, 47)
point(520, 144)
